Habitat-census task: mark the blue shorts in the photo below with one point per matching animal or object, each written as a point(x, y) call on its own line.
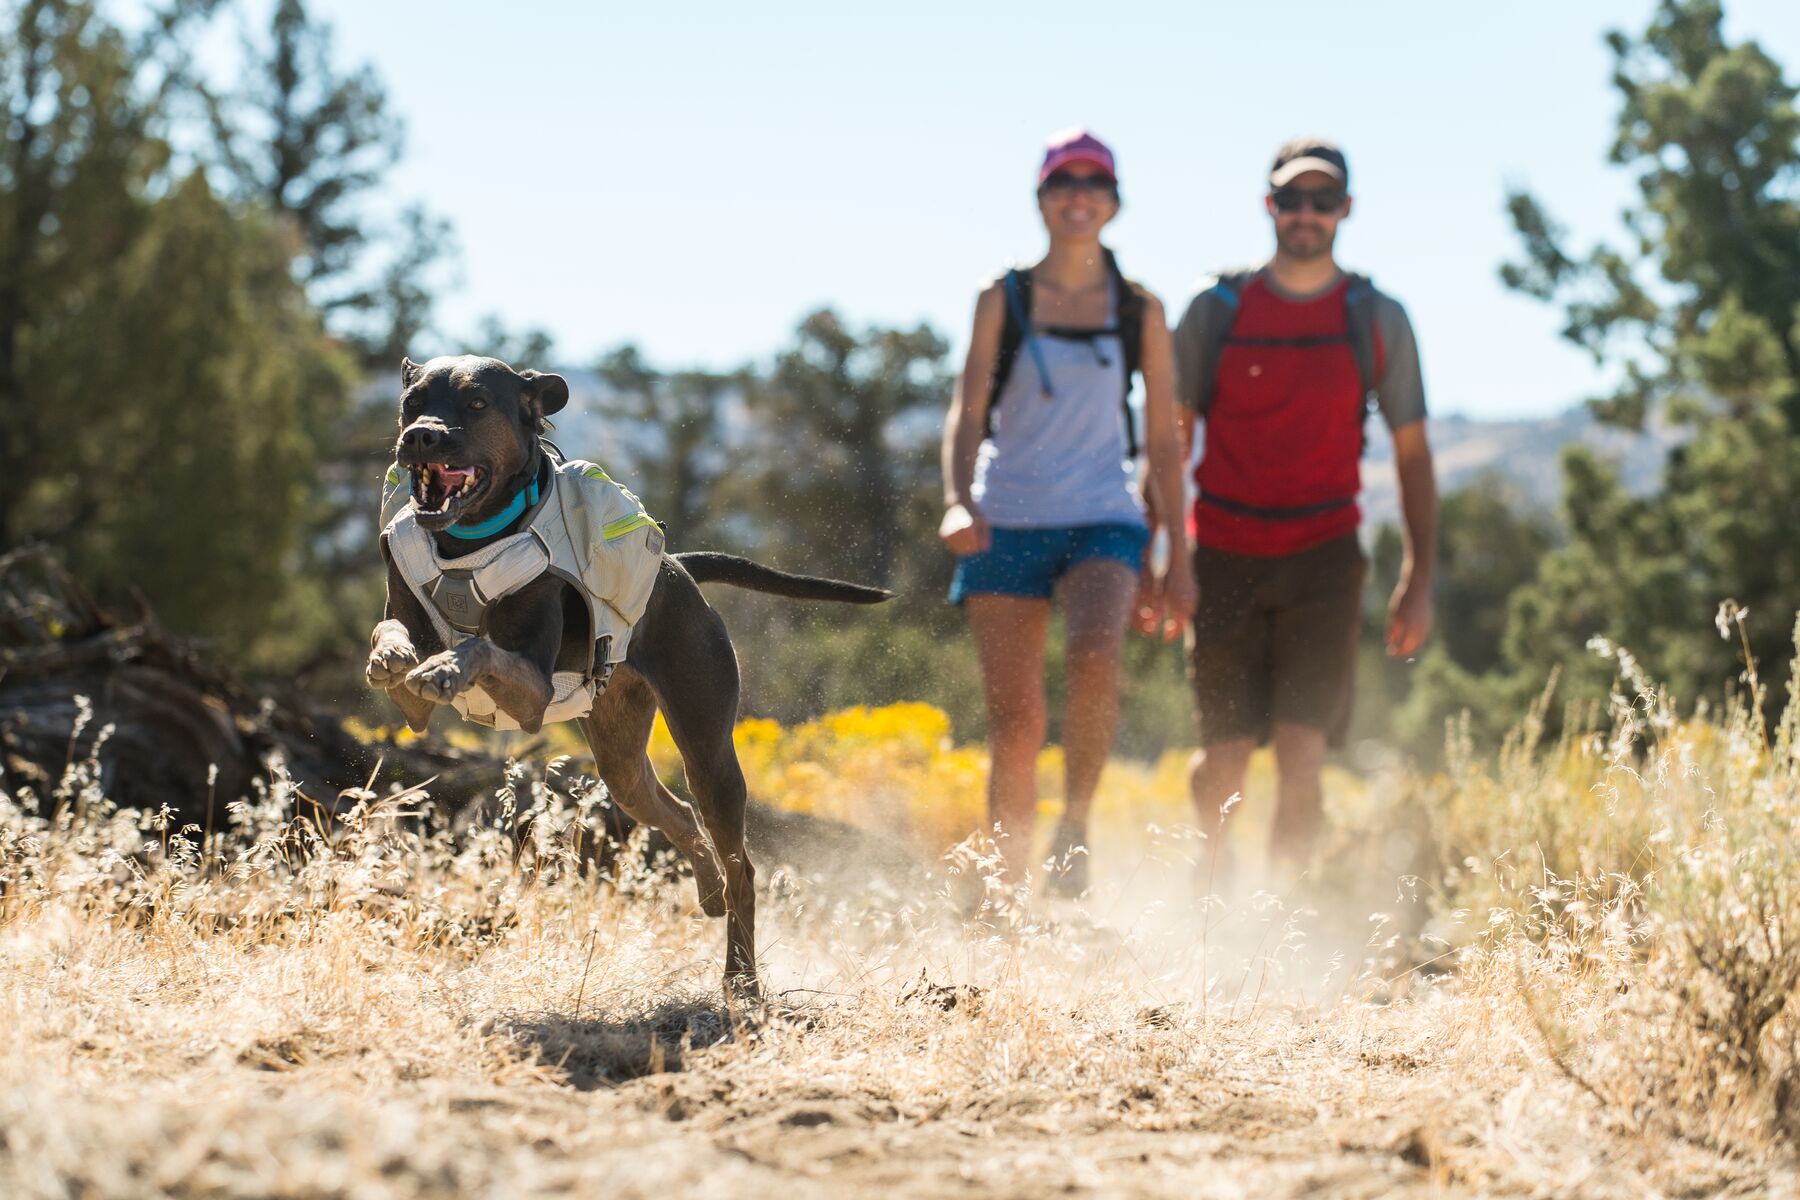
point(1028, 562)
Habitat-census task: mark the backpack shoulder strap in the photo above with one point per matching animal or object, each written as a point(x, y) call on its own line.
point(1128, 299)
point(1229, 285)
point(1016, 284)
point(1128, 310)
point(1227, 288)
point(1359, 319)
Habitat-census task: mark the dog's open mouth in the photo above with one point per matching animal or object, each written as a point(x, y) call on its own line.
point(441, 490)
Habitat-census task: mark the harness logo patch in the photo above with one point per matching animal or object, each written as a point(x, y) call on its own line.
point(456, 602)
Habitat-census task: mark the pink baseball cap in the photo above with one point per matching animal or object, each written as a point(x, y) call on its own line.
point(1076, 144)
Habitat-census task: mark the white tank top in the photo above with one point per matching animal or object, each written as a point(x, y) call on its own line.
point(1060, 461)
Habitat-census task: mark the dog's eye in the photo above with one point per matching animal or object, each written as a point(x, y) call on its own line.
point(477, 403)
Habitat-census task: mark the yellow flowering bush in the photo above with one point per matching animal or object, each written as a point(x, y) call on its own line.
point(896, 772)
point(892, 770)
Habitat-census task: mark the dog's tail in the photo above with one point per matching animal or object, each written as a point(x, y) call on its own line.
point(709, 567)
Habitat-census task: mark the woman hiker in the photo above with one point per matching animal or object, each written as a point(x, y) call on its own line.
point(1042, 504)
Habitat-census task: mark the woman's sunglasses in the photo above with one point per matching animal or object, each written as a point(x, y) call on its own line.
point(1324, 201)
point(1063, 185)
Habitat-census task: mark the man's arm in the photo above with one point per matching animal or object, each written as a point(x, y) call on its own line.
point(1409, 611)
point(1193, 347)
point(1189, 347)
point(1401, 394)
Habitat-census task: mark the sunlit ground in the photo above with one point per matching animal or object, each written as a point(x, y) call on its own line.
point(397, 1014)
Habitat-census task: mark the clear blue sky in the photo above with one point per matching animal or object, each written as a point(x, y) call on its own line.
point(695, 177)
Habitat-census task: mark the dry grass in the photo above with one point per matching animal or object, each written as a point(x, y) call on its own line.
point(369, 1011)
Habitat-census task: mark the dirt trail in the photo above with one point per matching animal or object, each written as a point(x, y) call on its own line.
point(1266, 1122)
point(403, 1019)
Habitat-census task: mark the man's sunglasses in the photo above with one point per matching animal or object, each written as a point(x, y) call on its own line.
point(1064, 184)
point(1324, 201)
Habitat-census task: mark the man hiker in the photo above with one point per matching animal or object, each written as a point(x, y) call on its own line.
point(1282, 364)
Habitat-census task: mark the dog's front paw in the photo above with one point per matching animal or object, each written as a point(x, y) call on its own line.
point(389, 663)
point(440, 678)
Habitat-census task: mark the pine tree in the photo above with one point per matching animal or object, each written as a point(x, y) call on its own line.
point(1701, 312)
point(849, 424)
point(672, 428)
point(165, 384)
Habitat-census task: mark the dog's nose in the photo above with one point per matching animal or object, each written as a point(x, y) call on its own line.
point(420, 438)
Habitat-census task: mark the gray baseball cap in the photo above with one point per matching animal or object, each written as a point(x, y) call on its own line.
point(1305, 154)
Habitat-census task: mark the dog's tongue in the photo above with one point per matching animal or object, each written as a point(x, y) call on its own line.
point(453, 477)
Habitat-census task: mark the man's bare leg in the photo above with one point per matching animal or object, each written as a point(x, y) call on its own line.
point(1216, 774)
point(1096, 597)
point(1300, 804)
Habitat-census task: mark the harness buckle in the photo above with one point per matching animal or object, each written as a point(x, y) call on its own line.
point(603, 666)
point(460, 601)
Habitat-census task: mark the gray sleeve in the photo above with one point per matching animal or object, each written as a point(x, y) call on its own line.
point(1401, 388)
point(1196, 334)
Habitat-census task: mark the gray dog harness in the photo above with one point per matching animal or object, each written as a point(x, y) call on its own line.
point(585, 529)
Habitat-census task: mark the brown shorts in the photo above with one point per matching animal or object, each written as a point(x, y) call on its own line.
point(1274, 639)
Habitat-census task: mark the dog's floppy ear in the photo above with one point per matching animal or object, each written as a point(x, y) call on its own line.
point(410, 372)
point(548, 392)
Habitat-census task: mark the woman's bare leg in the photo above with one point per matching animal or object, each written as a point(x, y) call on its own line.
point(1096, 597)
point(1009, 637)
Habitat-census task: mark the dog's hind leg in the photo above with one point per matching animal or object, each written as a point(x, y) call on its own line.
point(617, 731)
point(700, 714)
point(717, 782)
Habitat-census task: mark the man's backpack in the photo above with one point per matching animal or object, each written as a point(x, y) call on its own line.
point(1359, 316)
point(1128, 305)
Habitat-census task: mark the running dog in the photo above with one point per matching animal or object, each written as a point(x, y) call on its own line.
point(471, 441)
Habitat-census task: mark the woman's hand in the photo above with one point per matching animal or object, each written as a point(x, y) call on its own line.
point(964, 530)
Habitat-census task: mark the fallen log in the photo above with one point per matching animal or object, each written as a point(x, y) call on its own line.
point(167, 728)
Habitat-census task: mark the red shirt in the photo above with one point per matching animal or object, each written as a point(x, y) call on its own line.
point(1284, 429)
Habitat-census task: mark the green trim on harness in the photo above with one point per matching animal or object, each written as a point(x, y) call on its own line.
point(624, 525)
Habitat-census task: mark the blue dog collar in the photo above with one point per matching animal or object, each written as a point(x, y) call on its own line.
point(525, 496)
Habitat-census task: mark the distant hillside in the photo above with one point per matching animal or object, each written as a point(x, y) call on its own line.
point(1526, 453)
